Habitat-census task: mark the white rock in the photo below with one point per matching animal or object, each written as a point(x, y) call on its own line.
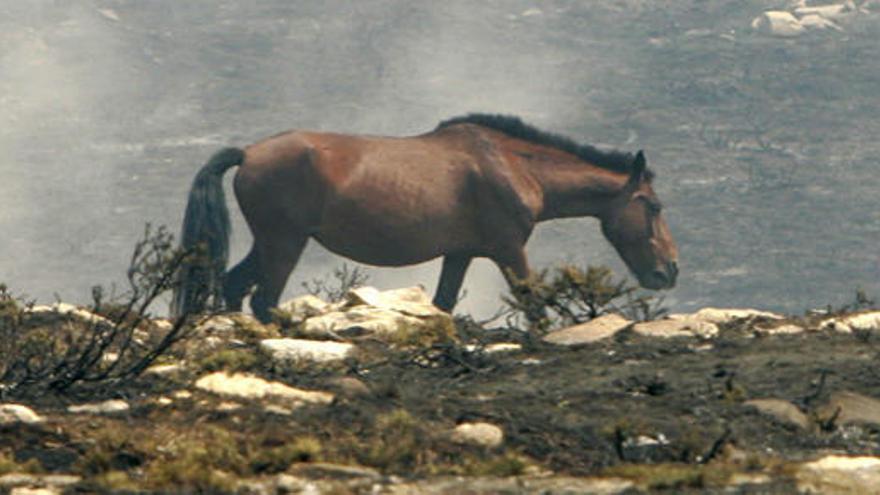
point(306, 306)
point(248, 386)
point(228, 406)
point(71, 311)
point(495, 348)
point(502, 347)
point(778, 23)
point(163, 324)
point(782, 410)
point(17, 413)
point(814, 21)
point(182, 395)
point(217, 325)
point(411, 301)
point(280, 411)
point(840, 474)
point(372, 320)
point(163, 369)
point(832, 11)
point(669, 328)
point(320, 351)
point(726, 315)
point(859, 322)
point(592, 331)
point(106, 407)
point(482, 434)
point(786, 329)
point(849, 408)
point(18, 479)
point(27, 490)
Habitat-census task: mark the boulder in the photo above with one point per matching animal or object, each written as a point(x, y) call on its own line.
point(839, 475)
point(868, 321)
point(27, 490)
point(362, 320)
point(17, 413)
point(721, 316)
point(480, 434)
point(306, 306)
point(164, 369)
point(411, 301)
point(781, 410)
point(325, 470)
point(592, 331)
point(848, 408)
point(784, 329)
point(106, 407)
point(229, 325)
point(778, 23)
point(499, 347)
point(217, 325)
point(828, 12)
point(668, 328)
point(399, 315)
point(69, 311)
point(247, 386)
point(319, 351)
point(814, 21)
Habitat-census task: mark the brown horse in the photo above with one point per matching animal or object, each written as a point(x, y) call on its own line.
point(473, 187)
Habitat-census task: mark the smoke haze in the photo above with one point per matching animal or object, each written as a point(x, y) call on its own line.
point(765, 148)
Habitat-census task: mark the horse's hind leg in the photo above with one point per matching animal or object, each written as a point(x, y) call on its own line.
point(451, 278)
point(276, 258)
point(239, 280)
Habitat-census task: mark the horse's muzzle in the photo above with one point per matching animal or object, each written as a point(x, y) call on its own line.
point(661, 278)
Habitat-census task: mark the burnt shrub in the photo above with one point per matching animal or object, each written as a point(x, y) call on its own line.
point(567, 295)
point(115, 340)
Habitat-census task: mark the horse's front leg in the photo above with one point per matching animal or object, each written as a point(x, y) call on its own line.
point(513, 264)
point(515, 267)
point(451, 278)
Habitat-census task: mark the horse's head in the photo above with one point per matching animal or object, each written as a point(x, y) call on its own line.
point(634, 225)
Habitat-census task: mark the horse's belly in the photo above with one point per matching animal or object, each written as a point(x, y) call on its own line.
point(394, 239)
point(397, 211)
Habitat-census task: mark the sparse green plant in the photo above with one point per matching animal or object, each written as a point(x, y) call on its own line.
point(231, 360)
point(204, 462)
point(670, 475)
point(398, 442)
point(571, 295)
point(9, 465)
point(507, 464)
point(334, 288)
point(278, 459)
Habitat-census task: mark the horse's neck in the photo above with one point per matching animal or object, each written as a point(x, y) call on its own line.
point(575, 189)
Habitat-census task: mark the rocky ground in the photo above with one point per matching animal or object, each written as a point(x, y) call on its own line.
point(380, 393)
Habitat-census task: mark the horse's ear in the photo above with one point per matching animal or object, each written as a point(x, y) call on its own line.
point(638, 170)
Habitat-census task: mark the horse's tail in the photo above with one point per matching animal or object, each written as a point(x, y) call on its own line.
point(205, 237)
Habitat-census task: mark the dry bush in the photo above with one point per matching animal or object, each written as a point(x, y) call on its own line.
point(334, 288)
point(571, 295)
point(114, 343)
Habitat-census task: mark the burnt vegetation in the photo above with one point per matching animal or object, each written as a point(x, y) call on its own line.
point(62, 348)
point(568, 295)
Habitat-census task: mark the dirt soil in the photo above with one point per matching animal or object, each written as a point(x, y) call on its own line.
point(665, 413)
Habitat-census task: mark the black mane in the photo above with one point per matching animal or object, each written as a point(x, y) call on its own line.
point(617, 161)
